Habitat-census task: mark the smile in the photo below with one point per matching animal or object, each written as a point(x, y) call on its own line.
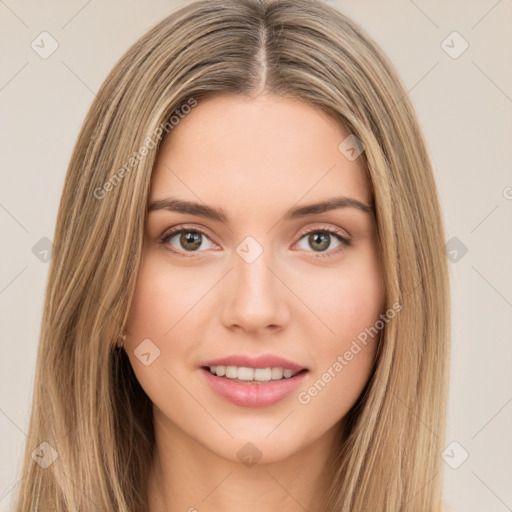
point(252, 375)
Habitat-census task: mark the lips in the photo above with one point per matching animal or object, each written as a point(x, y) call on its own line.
point(258, 392)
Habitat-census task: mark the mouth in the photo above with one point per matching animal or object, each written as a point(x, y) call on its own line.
point(253, 381)
point(248, 375)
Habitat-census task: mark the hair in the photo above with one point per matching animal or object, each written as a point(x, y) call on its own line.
point(87, 403)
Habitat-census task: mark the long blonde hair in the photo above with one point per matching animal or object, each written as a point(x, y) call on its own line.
point(87, 404)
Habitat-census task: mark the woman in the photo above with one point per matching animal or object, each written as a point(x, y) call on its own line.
point(247, 303)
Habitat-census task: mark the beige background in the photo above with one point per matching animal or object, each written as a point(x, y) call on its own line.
point(464, 105)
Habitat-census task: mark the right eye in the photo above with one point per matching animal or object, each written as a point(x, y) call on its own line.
point(182, 240)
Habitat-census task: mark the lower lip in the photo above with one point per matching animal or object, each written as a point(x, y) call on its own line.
point(254, 395)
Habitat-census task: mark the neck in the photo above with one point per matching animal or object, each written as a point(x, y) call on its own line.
point(187, 476)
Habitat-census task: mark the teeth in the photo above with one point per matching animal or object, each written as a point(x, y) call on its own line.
point(276, 373)
point(252, 374)
point(263, 374)
point(245, 373)
point(231, 372)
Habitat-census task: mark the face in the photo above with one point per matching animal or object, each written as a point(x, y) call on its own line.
point(246, 279)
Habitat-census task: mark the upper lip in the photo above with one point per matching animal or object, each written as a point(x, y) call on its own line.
point(261, 361)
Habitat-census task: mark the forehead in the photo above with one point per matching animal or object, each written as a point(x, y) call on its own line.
point(256, 153)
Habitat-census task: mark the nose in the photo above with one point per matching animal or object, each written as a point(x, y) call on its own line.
point(256, 300)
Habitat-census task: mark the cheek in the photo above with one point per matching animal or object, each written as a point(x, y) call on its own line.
point(159, 309)
point(346, 298)
point(361, 300)
point(153, 304)
point(163, 298)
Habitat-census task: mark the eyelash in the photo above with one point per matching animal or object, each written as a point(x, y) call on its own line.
point(184, 229)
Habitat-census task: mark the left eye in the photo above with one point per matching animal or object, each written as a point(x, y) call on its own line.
point(320, 240)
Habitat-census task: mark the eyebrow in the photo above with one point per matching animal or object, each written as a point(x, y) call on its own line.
point(202, 210)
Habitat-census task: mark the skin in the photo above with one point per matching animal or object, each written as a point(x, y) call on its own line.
point(255, 159)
